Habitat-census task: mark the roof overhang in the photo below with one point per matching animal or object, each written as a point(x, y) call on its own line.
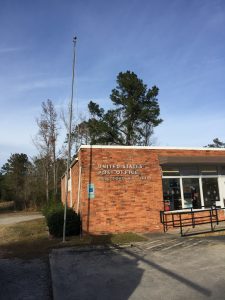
point(174, 160)
point(204, 149)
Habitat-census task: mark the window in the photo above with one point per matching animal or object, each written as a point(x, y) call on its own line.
point(191, 186)
point(210, 191)
point(172, 194)
point(192, 197)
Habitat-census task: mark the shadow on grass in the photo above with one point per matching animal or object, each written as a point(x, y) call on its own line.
point(120, 238)
point(28, 249)
point(40, 245)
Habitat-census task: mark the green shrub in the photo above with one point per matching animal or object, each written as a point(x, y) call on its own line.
point(55, 219)
point(51, 207)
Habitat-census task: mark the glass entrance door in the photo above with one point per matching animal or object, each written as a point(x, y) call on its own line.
point(210, 191)
point(192, 197)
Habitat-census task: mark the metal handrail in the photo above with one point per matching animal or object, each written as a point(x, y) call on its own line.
point(194, 220)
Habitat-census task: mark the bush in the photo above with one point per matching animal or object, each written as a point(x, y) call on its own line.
point(51, 207)
point(55, 218)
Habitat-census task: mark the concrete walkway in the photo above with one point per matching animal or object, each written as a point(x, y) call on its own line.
point(13, 218)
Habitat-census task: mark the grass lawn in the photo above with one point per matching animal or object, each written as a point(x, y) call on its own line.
point(31, 239)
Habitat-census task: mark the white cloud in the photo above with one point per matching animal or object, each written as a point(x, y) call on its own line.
point(40, 84)
point(10, 49)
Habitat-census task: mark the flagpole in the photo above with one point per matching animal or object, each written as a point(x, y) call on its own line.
point(69, 139)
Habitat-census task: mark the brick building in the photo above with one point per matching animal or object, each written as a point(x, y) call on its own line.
point(124, 188)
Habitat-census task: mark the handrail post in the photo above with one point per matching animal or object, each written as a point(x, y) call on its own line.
point(173, 220)
point(181, 229)
point(162, 214)
point(166, 223)
point(211, 219)
point(164, 227)
point(192, 218)
point(217, 219)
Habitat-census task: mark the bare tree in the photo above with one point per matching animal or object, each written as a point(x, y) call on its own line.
point(79, 135)
point(45, 142)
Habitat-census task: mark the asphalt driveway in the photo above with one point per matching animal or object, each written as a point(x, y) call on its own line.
point(171, 269)
point(16, 217)
point(25, 279)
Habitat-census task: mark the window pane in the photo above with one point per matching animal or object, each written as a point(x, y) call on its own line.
point(191, 191)
point(210, 191)
point(171, 194)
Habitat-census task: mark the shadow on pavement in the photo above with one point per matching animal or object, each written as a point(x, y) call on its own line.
point(113, 273)
point(172, 274)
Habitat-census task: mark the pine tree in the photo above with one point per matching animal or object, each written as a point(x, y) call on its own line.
point(16, 176)
point(135, 115)
point(216, 144)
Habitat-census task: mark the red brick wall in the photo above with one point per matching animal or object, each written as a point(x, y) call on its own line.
point(131, 203)
point(75, 179)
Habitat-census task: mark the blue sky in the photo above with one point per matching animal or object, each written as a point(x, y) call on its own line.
point(178, 45)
